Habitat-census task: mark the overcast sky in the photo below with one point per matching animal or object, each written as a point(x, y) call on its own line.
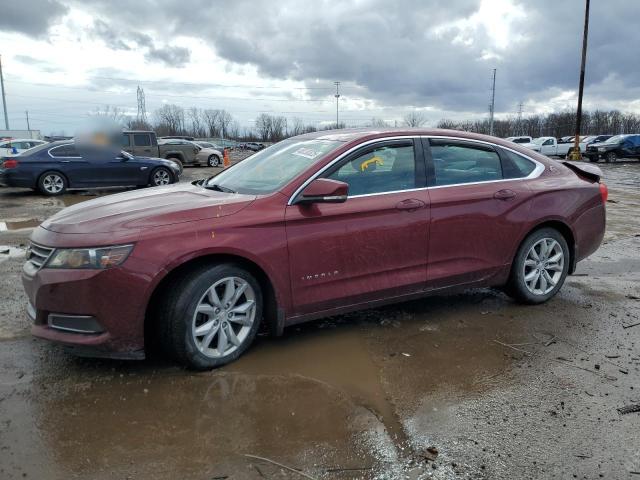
point(63, 59)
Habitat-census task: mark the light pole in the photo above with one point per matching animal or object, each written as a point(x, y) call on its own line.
point(575, 154)
point(337, 95)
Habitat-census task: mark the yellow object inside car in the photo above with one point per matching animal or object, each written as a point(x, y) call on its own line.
point(373, 160)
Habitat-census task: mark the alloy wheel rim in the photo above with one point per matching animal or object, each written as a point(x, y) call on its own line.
point(53, 183)
point(213, 161)
point(543, 266)
point(161, 178)
point(224, 317)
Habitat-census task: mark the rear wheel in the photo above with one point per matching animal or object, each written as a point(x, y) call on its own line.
point(52, 183)
point(611, 157)
point(214, 161)
point(178, 162)
point(211, 316)
point(540, 267)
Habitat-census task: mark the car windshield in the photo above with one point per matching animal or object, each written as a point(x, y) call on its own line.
point(271, 168)
point(617, 139)
point(540, 141)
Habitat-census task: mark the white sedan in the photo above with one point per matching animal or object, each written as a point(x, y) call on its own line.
point(18, 145)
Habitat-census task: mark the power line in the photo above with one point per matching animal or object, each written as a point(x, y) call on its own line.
point(337, 95)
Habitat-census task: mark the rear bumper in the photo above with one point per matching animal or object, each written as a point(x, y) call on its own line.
point(14, 178)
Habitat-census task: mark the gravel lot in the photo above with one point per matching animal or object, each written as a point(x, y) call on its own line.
point(499, 390)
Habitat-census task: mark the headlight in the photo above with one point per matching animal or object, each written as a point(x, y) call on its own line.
point(101, 258)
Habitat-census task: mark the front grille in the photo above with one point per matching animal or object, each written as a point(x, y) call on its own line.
point(37, 255)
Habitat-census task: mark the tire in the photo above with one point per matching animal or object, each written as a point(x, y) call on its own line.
point(160, 176)
point(178, 161)
point(538, 289)
point(52, 183)
point(184, 334)
point(214, 161)
point(610, 157)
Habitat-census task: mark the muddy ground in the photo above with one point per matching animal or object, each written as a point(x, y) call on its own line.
point(500, 390)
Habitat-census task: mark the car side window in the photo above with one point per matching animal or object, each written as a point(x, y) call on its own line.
point(516, 166)
point(458, 163)
point(64, 151)
point(548, 142)
point(141, 140)
point(385, 168)
point(126, 140)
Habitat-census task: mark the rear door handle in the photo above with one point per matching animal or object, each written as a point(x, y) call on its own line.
point(504, 194)
point(410, 204)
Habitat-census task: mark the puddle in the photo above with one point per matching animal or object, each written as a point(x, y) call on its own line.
point(73, 199)
point(19, 224)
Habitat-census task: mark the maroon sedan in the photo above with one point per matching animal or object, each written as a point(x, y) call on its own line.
point(313, 226)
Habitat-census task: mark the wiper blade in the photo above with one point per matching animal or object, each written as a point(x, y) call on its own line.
point(219, 188)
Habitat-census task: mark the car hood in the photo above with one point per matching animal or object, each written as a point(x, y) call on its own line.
point(151, 207)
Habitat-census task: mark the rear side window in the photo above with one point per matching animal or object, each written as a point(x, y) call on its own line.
point(378, 169)
point(64, 151)
point(516, 166)
point(459, 163)
point(126, 140)
point(141, 140)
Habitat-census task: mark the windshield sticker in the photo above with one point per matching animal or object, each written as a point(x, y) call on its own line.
point(306, 153)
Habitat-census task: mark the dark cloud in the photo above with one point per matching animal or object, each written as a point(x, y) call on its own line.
point(389, 51)
point(30, 17)
point(170, 56)
point(123, 38)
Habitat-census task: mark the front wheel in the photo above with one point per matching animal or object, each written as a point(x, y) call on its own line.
point(161, 176)
point(211, 316)
point(540, 267)
point(611, 157)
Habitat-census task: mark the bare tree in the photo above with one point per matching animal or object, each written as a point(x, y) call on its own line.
point(210, 117)
point(170, 120)
point(197, 124)
point(114, 113)
point(414, 119)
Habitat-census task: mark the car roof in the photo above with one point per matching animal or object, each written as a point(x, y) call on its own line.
point(22, 140)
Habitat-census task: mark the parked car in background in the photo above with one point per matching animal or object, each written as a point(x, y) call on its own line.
point(522, 139)
point(56, 167)
point(18, 145)
point(597, 139)
point(212, 145)
point(253, 146)
point(616, 147)
point(550, 147)
point(179, 137)
point(565, 139)
point(313, 226)
point(183, 152)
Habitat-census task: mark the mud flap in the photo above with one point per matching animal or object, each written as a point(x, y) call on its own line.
point(276, 327)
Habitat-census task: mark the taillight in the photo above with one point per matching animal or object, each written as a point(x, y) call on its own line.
point(10, 163)
point(604, 192)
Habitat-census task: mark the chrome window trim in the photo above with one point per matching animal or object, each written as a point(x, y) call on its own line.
point(58, 146)
point(535, 173)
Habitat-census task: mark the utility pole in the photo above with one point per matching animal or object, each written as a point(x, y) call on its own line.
point(337, 95)
point(27, 114)
point(519, 124)
point(576, 155)
point(493, 103)
point(4, 98)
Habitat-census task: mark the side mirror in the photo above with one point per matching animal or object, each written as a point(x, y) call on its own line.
point(324, 190)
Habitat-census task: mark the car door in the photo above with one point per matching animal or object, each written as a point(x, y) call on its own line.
point(548, 147)
point(76, 168)
point(479, 204)
point(142, 144)
point(372, 246)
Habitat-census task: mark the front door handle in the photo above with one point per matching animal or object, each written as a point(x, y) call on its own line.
point(410, 204)
point(504, 194)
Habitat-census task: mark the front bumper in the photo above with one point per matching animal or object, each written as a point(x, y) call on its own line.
point(97, 312)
